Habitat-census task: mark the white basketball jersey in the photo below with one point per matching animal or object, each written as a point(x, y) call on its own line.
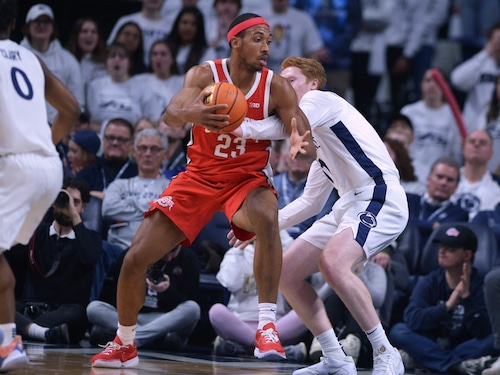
point(23, 115)
point(349, 150)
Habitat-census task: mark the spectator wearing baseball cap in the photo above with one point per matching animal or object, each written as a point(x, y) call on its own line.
point(457, 237)
point(446, 326)
point(83, 147)
point(39, 10)
point(40, 33)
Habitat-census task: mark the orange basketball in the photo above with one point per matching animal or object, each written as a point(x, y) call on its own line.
point(227, 93)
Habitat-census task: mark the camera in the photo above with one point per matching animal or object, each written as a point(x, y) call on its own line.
point(62, 199)
point(155, 274)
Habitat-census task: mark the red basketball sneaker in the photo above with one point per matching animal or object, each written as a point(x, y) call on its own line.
point(116, 355)
point(267, 344)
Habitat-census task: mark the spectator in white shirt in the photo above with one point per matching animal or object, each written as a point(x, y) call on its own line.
point(294, 34)
point(476, 77)
point(116, 94)
point(411, 38)
point(163, 82)
point(434, 128)
point(477, 190)
point(153, 24)
point(41, 38)
point(86, 43)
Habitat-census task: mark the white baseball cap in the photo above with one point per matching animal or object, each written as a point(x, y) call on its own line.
point(38, 10)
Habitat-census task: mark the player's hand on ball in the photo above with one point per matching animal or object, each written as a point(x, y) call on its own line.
point(235, 104)
point(211, 117)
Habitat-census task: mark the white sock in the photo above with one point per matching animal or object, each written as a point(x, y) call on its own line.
point(378, 339)
point(330, 345)
point(267, 314)
point(37, 332)
point(9, 332)
point(126, 334)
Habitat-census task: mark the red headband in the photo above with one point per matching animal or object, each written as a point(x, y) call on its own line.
point(245, 25)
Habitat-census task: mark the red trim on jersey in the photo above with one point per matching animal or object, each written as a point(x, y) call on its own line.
point(221, 157)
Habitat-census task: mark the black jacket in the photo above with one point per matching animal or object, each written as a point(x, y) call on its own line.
point(71, 281)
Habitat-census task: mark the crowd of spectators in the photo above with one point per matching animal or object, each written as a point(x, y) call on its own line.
point(123, 81)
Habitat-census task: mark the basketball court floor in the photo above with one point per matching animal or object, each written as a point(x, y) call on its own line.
point(75, 360)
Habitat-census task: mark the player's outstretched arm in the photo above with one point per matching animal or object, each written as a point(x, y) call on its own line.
point(188, 104)
point(272, 128)
point(58, 96)
point(287, 106)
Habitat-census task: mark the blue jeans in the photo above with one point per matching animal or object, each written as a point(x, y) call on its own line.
point(426, 352)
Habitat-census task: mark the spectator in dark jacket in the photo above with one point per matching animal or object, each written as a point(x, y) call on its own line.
point(446, 326)
point(61, 261)
point(433, 208)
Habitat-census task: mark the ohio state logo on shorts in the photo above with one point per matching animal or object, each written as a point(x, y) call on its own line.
point(166, 201)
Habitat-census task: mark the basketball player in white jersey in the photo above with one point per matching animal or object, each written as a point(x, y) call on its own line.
point(30, 168)
point(371, 213)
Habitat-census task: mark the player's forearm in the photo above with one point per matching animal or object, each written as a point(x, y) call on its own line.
point(271, 128)
point(175, 116)
point(62, 125)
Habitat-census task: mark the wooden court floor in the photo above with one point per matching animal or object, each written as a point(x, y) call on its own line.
point(75, 360)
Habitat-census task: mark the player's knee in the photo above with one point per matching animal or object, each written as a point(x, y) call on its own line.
point(264, 218)
point(331, 270)
point(134, 262)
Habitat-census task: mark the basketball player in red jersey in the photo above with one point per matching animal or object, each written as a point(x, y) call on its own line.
point(224, 173)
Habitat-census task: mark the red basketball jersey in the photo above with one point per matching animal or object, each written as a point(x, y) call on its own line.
point(223, 156)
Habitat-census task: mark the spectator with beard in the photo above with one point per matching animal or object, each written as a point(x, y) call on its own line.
point(62, 256)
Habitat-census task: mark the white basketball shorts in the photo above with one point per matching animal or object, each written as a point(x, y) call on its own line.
point(29, 184)
point(376, 217)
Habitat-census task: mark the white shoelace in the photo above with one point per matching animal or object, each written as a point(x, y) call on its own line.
point(111, 345)
point(269, 335)
point(384, 362)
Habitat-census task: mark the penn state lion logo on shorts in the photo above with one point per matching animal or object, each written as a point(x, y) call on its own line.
point(368, 219)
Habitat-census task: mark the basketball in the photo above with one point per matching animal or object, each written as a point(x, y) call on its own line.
point(227, 93)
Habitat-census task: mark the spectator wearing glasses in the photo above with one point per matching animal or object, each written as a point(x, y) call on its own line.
point(115, 162)
point(127, 199)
